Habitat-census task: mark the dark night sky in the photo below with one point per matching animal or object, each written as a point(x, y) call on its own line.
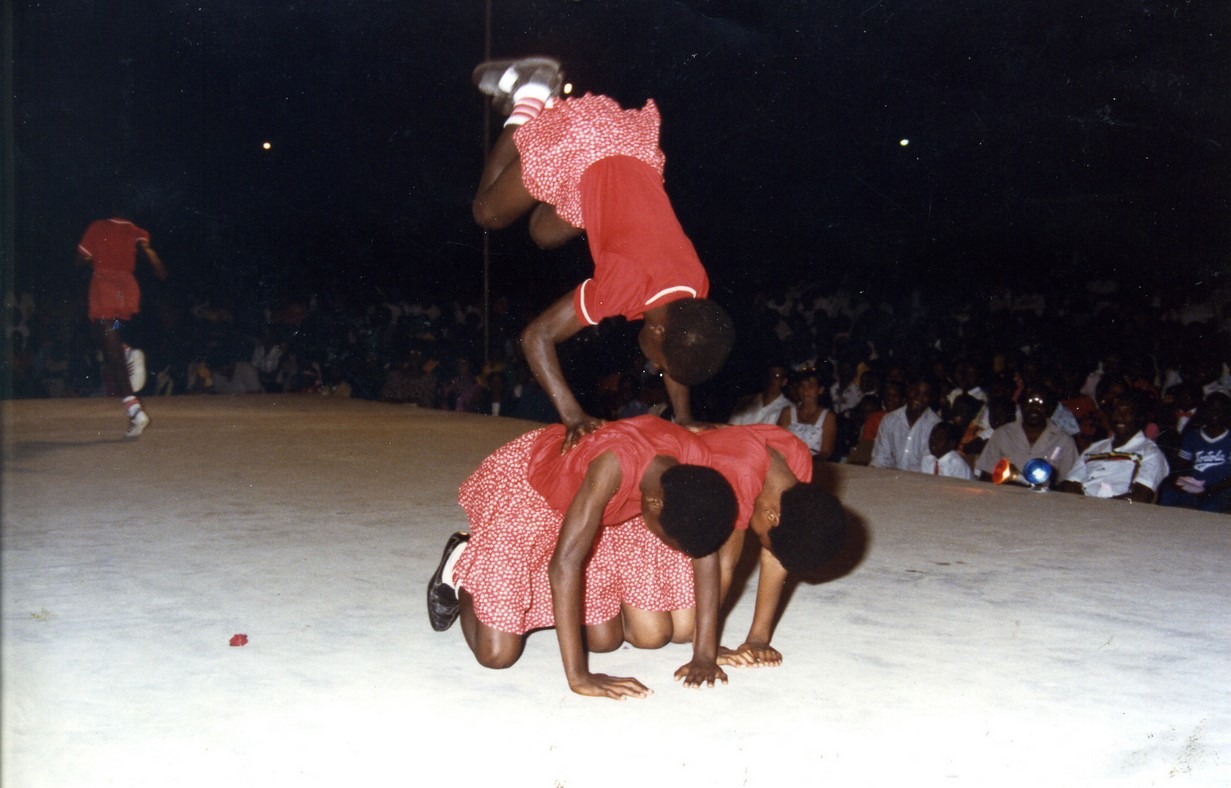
point(1073, 135)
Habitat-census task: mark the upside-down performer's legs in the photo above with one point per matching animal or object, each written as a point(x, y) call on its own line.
point(502, 196)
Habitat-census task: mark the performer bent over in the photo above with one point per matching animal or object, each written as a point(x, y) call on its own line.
point(539, 552)
point(110, 246)
point(587, 164)
point(799, 525)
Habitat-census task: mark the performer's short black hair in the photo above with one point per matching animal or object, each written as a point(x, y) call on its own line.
point(698, 508)
point(698, 339)
point(811, 528)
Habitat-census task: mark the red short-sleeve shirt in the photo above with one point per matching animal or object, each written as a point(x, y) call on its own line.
point(739, 454)
point(111, 247)
point(642, 258)
point(636, 442)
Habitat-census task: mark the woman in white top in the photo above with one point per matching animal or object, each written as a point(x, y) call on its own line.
point(808, 420)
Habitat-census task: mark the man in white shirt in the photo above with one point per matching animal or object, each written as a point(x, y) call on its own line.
point(902, 438)
point(1035, 435)
point(1128, 465)
point(766, 406)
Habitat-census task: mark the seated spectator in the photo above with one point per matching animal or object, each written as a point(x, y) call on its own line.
point(1128, 465)
point(333, 382)
point(410, 382)
point(963, 412)
point(765, 406)
point(1073, 403)
point(267, 358)
point(999, 411)
point(872, 411)
point(236, 377)
point(1204, 461)
point(902, 438)
point(943, 458)
point(846, 391)
point(532, 403)
point(1178, 409)
point(810, 420)
point(966, 378)
point(1036, 435)
point(464, 392)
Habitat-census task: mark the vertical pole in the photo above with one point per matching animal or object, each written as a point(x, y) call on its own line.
point(487, 146)
point(8, 172)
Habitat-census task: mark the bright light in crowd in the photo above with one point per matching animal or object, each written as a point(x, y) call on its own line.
point(568, 88)
point(266, 145)
point(904, 142)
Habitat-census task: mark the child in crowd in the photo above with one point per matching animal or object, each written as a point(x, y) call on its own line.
point(587, 164)
point(944, 458)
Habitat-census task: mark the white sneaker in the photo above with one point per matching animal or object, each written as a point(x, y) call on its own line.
point(501, 78)
point(137, 424)
point(136, 367)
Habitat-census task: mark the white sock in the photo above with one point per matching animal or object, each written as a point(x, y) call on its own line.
point(446, 576)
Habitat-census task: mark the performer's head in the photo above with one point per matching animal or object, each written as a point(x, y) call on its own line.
point(692, 509)
point(689, 339)
point(803, 528)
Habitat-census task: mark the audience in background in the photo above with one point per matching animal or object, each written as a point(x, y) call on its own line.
point(984, 355)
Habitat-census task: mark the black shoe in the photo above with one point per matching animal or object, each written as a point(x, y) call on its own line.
point(441, 598)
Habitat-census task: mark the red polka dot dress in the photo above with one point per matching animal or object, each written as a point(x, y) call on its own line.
point(646, 573)
point(559, 145)
point(513, 533)
point(516, 500)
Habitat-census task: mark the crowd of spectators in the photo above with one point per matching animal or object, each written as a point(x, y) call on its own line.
point(877, 372)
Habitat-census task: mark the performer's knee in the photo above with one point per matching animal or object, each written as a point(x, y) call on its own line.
point(497, 654)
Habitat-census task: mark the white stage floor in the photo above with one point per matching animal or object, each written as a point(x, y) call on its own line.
point(971, 634)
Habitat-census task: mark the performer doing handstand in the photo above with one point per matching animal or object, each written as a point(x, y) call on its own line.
point(586, 164)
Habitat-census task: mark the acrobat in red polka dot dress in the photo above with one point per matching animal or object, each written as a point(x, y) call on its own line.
point(515, 503)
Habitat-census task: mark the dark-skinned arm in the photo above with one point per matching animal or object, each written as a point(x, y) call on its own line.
point(557, 323)
point(703, 669)
point(756, 651)
point(1138, 493)
point(160, 270)
point(581, 525)
point(681, 405)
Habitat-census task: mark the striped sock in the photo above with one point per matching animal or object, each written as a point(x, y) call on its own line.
point(528, 101)
point(132, 405)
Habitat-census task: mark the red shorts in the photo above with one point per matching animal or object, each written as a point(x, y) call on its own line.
point(114, 295)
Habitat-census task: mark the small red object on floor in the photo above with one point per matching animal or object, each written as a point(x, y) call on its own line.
point(239, 640)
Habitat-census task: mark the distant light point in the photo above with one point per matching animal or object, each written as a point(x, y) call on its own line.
point(568, 88)
point(903, 142)
point(266, 145)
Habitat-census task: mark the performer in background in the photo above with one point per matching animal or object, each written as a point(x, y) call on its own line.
point(110, 248)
